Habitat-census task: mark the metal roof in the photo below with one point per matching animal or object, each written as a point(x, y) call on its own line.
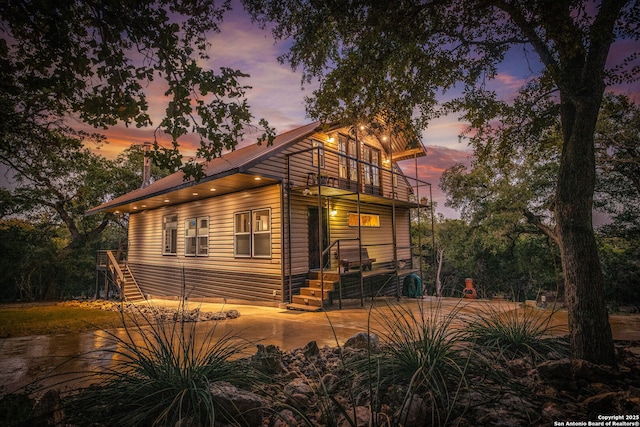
point(222, 175)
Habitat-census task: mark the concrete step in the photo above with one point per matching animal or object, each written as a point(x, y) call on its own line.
point(307, 300)
point(302, 307)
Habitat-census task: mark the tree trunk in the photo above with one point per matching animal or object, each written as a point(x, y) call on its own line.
point(589, 330)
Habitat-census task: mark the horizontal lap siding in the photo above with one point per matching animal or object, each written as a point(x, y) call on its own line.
point(219, 274)
point(378, 241)
point(171, 281)
point(300, 165)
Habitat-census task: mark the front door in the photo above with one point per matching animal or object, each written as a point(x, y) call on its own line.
point(314, 237)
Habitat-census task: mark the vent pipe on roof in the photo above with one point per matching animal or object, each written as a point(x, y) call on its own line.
point(146, 165)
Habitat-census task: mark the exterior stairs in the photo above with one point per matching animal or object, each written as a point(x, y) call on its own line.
point(312, 297)
point(130, 289)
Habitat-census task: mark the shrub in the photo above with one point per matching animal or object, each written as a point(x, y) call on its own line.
point(521, 332)
point(160, 374)
point(424, 361)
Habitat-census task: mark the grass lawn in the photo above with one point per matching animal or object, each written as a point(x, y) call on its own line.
point(17, 321)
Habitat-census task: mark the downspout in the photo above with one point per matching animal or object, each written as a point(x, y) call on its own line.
point(289, 250)
point(283, 267)
point(360, 183)
point(415, 160)
point(393, 220)
point(433, 233)
point(320, 231)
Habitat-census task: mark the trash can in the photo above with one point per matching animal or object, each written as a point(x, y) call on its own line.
point(412, 286)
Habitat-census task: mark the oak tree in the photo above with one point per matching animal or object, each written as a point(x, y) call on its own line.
point(92, 61)
point(392, 59)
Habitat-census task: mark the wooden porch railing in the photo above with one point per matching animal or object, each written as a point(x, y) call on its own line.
point(111, 263)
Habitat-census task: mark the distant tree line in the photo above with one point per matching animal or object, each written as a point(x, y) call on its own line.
point(505, 239)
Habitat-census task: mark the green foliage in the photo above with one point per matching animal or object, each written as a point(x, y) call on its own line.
point(424, 354)
point(520, 332)
point(499, 259)
point(618, 163)
point(28, 259)
point(161, 374)
point(94, 62)
point(51, 248)
point(621, 267)
point(389, 60)
point(54, 319)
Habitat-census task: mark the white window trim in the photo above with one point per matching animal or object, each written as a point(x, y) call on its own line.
point(241, 233)
point(198, 234)
point(252, 233)
point(317, 153)
point(174, 238)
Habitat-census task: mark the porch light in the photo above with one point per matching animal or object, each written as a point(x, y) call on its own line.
point(333, 211)
point(331, 139)
point(194, 194)
point(135, 208)
point(212, 189)
point(166, 200)
point(257, 178)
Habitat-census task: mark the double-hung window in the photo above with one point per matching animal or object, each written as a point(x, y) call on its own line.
point(196, 236)
point(169, 234)
point(252, 231)
point(342, 163)
point(371, 170)
point(353, 162)
point(317, 154)
point(366, 169)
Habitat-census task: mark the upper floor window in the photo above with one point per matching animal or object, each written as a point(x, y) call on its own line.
point(342, 161)
point(353, 162)
point(371, 170)
point(169, 234)
point(196, 236)
point(317, 154)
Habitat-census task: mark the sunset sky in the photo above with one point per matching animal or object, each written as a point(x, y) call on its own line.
point(277, 95)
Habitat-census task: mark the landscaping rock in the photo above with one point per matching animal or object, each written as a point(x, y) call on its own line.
point(268, 359)
point(48, 411)
point(363, 341)
point(158, 313)
point(238, 406)
point(362, 417)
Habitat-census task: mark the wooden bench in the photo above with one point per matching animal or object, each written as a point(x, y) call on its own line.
point(350, 257)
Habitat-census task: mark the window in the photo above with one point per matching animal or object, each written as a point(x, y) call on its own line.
point(375, 168)
point(243, 234)
point(196, 236)
point(253, 233)
point(353, 163)
point(342, 164)
point(262, 233)
point(371, 172)
point(366, 220)
point(366, 169)
point(317, 155)
point(169, 234)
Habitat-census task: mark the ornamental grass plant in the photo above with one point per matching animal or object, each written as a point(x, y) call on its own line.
point(424, 364)
point(161, 374)
point(516, 333)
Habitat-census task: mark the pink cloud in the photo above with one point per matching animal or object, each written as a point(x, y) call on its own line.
point(431, 167)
